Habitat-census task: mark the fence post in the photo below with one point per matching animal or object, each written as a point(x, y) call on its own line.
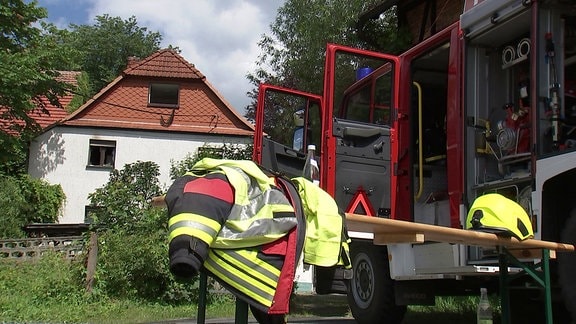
point(92, 260)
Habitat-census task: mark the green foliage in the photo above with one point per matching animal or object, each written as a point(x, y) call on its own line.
point(300, 32)
point(11, 200)
point(51, 291)
point(33, 52)
point(383, 33)
point(13, 154)
point(133, 258)
point(57, 280)
point(43, 200)
point(103, 49)
point(123, 201)
point(224, 151)
point(37, 285)
point(83, 92)
point(135, 266)
point(447, 309)
point(29, 59)
point(26, 200)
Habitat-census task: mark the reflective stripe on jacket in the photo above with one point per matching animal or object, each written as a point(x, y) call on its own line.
point(261, 213)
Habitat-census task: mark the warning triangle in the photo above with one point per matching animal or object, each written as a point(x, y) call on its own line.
point(360, 200)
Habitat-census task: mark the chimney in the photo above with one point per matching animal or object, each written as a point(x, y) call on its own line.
point(132, 61)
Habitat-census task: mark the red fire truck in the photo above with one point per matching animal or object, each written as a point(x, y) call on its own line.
point(486, 105)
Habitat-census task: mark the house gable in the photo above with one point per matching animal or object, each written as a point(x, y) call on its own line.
point(124, 103)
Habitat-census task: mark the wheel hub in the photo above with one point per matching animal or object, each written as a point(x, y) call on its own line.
point(364, 284)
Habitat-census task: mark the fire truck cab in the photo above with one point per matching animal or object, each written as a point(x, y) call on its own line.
point(485, 105)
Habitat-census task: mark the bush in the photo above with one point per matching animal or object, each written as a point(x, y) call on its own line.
point(123, 201)
point(133, 236)
point(131, 265)
point(43, 200)
point(26, 200)
point(11, 200)
point(57, 280)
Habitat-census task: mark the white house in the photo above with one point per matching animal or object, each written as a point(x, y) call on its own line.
point(159, 109)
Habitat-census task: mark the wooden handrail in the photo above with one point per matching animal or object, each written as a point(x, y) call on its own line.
point(381, 227)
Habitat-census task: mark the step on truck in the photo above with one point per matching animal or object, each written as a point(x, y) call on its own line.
point(485, 105)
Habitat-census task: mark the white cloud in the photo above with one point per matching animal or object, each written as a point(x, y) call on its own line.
point(219, 37)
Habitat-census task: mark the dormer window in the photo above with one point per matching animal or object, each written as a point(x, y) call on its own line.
point(163, 95)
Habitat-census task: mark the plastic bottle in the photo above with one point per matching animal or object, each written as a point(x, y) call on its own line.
point(311, 170)
point(484, 312)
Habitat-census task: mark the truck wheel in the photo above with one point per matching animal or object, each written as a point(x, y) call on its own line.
point(567, 265)
point(371, 290)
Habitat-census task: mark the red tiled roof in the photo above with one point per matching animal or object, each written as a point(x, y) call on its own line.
point(164, 63)
point(55, 113)
point(124, 102)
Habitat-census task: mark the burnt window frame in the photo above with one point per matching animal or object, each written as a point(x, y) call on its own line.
point(105, 147)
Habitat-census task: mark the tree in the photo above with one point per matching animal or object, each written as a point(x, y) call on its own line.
point(293, 56)
point(29, 57)
point(82, 93)
point(102, 50)
point(10, 201)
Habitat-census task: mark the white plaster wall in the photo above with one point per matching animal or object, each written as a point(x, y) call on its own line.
point(60, 156)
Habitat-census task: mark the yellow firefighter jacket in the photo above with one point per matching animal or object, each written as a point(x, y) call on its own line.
point(234, 220)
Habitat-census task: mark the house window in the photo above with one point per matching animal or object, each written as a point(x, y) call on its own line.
point(102, 153)
point(163, 95)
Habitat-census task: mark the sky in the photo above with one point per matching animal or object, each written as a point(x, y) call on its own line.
point(219, 37)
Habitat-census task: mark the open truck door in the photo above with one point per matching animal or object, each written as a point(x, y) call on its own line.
point(361, 118)
point(360, 166)
point(287, 121)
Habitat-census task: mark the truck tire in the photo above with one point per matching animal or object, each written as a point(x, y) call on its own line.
point(567, 265)
point(371, 290)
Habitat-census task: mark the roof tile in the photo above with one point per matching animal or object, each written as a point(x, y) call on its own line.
point(164, 63)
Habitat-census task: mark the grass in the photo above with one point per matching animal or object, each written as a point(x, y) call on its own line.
point(46, 292)
point(21, 309)
point(18, 309)
point(446, 310)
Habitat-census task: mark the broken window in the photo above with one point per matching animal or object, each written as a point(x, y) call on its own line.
point(102, 153)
